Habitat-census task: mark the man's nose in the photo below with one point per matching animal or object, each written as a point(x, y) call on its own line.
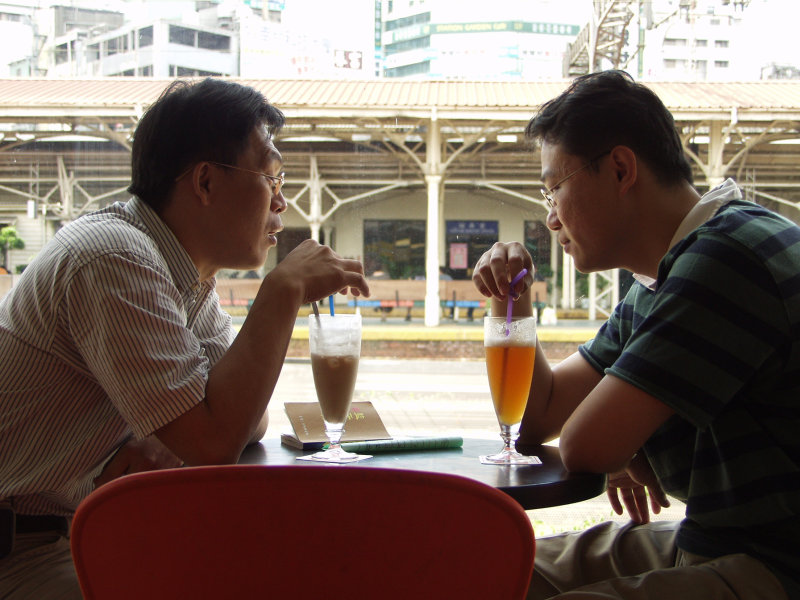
point(552, 221)
point(279, 203)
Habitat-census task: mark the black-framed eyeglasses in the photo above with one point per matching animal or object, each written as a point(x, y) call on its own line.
point(275, 181)
point(548, 193)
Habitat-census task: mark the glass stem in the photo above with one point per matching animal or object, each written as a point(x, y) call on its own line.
point(508, 442)
point(334, 433)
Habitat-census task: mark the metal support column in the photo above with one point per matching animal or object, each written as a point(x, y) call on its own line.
point(315, 200)
point(433, 178)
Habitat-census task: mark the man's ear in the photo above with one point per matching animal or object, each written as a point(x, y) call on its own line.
point(625, 165)
point(202, 181)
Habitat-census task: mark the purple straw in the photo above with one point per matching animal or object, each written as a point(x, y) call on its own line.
point(514, 282)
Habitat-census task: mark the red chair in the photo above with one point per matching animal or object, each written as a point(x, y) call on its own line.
point(298, 532)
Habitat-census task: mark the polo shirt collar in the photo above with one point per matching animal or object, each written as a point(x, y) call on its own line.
point(700, 213)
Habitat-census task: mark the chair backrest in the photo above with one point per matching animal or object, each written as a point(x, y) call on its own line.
point(250, 531)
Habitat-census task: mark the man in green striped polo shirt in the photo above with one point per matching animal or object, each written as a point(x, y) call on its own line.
point(692, 386)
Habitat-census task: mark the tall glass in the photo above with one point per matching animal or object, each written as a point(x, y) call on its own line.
point(335, 344)
point(510, 355)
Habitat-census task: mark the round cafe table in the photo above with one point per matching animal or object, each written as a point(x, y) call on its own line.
point(533, 486)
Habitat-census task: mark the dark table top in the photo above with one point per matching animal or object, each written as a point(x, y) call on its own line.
point(533, 486)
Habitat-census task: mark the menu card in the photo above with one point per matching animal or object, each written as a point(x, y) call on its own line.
point(363, 423)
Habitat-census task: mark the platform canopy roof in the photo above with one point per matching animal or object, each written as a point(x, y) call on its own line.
point(362, 133)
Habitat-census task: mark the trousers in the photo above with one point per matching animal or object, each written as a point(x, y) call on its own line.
point(40, 567)
point(642, 562)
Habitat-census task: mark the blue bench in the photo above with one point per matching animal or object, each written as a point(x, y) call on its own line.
point(464, 303)
point(365, 303)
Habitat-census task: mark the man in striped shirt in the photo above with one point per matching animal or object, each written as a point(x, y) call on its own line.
point(692, 386)
point(115, 355)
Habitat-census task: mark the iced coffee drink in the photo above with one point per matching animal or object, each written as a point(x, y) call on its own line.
point(335, 345)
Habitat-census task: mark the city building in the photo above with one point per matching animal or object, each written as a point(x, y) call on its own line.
point(694, 41)
point(439, 39)
point(183, 38)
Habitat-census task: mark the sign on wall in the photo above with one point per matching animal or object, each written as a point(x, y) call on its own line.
point(458, 256)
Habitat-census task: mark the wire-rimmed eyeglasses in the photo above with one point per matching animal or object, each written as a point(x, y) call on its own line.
point(548, 193)
point(275, 181)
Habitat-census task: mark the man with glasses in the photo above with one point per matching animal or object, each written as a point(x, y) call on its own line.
point(692, 386)
point(115, 355)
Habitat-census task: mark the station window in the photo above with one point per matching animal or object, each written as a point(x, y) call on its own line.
point(537, 243)
point(394, 249)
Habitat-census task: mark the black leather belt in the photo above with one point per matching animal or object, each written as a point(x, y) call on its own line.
point(37, 523)
point(12, 524)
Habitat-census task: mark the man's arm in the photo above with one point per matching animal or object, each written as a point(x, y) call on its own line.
point(555, 394)
point(610, 426)
point(241, 383)
point(147, 454)
point(555, 391)
point(601, 420)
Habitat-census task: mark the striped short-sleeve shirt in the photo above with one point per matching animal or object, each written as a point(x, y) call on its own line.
point(108, 333)
point(718, 340)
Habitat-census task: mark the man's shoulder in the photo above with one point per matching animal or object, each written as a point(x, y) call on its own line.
point(744, 231)
point(108, 230)
point(752, 224)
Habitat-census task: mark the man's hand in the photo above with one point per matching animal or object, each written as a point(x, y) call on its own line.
point(633, 485)
point(319, 272)
point(498, 265)
point(148, 454)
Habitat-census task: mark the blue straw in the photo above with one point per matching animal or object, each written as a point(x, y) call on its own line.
point(330, 304)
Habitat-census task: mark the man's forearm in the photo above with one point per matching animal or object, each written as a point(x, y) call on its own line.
point(239, 385)
point(555, 394)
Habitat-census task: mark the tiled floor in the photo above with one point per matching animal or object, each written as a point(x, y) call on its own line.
point(436, 397)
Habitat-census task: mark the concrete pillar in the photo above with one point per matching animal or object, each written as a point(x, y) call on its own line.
point(433, 178)
point(432, 252)
point(716, 147)
point(315, 198)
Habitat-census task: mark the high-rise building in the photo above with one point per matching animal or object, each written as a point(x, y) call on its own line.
point(713, 40)
point(463, 40)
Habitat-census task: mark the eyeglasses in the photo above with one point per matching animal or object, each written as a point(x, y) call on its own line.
point(548, 193)
point(275, 182)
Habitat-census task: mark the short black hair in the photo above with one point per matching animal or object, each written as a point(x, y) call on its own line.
point(190, 122)
point(602, 110)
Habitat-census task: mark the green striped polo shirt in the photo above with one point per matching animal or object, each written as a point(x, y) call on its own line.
point(718, 341)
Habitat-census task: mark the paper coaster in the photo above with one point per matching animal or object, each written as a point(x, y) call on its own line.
point(345, 461)
point(531, 460)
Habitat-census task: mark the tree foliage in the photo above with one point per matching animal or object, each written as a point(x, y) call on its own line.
point(9, 240)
